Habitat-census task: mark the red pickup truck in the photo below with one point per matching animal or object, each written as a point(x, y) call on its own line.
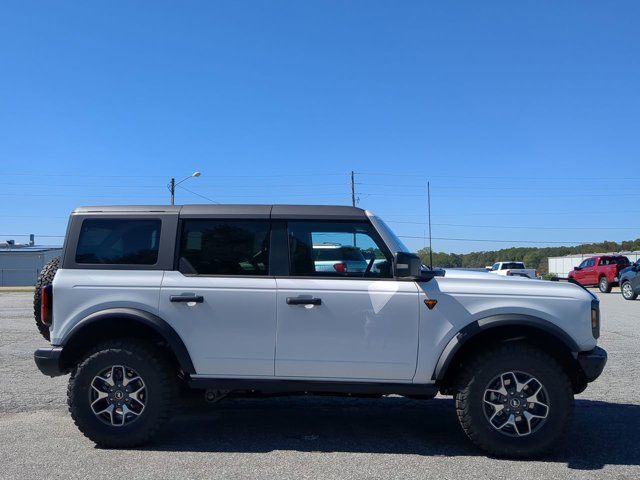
point(602, 271)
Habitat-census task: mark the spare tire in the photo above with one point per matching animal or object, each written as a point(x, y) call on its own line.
point(44, 278)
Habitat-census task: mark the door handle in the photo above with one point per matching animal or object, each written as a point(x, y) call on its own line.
point(303, 301)
point(187, 298)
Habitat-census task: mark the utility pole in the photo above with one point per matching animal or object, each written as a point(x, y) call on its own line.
point(172, 189)
point(172, 185)
point(353, 189)
point(429, 208)
point(353, 199)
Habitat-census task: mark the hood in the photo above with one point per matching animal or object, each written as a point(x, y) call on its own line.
point(454, 273)
point(469, 281)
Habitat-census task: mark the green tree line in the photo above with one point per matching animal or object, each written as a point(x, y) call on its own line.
point(533, 257)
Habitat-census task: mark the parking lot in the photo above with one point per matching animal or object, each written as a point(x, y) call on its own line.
point(311, 437)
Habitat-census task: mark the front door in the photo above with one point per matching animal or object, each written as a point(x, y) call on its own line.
point(590, 276)
point(341, 315)
point(635, 279)
point(581, 274)
point(221, 300)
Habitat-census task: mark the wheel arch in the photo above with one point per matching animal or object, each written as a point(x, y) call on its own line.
point(119, 323)
point(496, 329)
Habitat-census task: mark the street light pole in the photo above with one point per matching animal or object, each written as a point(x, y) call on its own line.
point(172, 185)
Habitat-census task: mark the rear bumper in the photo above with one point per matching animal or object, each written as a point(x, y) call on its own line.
point(592, 363)
point(48, 361)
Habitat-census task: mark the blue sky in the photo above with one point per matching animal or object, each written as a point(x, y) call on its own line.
point(525, 116)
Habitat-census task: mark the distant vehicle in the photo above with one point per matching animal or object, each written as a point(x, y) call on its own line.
point(512, 269)
point(339, 258)
point(630, 281)
point(602, 271)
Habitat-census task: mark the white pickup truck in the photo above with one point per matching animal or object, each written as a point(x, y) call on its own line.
point(512, 269)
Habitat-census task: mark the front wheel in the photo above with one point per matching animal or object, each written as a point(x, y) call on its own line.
point(627, 291)
point(604, 286)
point(514, 401)
point(122, 393)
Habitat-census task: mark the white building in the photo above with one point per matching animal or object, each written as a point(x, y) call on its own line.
point(20, 264)
point(561, 266)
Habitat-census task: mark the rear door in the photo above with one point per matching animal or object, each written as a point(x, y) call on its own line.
point(221, 299)
point(343, 324)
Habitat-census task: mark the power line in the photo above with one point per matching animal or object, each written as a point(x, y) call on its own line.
point(480, 214)
point(516, 226)
point(210, 185)
point(31, 216)
point(197, 194)
point(144, 175)
point(28, 234)
point(401, 236)
point(493, 240)
point(488, 177)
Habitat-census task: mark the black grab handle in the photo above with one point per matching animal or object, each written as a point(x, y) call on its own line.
point(303, 301)
point(187, 298)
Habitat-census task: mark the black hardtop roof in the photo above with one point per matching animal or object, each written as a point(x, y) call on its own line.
point(302, 212)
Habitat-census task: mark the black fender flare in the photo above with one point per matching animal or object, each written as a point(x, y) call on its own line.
point(495, 321)
point(160, 326)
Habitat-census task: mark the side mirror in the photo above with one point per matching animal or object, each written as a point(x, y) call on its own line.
point(488, 268)
point(575, 269)
point(407, 265)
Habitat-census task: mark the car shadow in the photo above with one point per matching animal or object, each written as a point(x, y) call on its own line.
point(602, 434)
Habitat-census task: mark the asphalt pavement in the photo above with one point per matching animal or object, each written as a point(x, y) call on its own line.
point(311, 437)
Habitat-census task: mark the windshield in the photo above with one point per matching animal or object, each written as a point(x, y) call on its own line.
point(390, 238)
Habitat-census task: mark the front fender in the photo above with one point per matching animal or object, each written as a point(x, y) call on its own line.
point(496, 321)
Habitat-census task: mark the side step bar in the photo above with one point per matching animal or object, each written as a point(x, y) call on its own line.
point(312, 386)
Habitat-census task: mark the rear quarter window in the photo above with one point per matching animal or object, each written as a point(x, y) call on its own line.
point(118, 242)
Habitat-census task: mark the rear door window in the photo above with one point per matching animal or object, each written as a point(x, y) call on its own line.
point(223, 247)
point(622, 261)
point(119, 242)
point(512, 266)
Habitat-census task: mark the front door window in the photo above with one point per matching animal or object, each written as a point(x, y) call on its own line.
point(337, 249)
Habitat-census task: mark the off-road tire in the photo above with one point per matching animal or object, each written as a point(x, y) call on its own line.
point(521, 357)
point(45, 277)
point(633, 295)
point(604, 285)
point(161, 381)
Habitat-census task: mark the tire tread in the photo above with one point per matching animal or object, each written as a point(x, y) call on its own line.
point(167, 388)
point(45, 277)
point(462, 396)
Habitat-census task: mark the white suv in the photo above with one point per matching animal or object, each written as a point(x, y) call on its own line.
point(230, 299)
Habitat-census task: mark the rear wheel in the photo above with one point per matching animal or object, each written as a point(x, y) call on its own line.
point(45, 278)
point(122, 393)
point(603, 285)
point(627, 291)
point(514, 401)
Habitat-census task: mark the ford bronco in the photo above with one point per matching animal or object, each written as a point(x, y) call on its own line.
point(231, 299)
